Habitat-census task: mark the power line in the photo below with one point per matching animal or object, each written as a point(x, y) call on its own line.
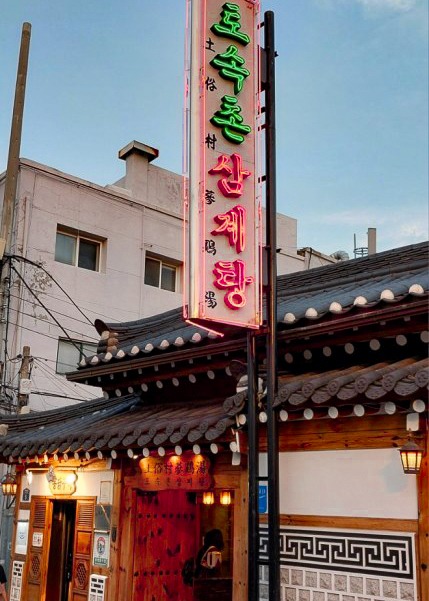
point(34, 331)
point(40, 266)
point(18, 311)
point(29, 302)
point(95, 312)
point(54, 394)
point(60, 396)
point(44, 306)
point(54, 378)
point(51, 394)
point(72, 302)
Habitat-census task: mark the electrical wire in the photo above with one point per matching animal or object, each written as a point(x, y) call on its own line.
point(32, 303)
point(44, 306)
point(63, 386)
point(72, 302)
point(54, 377)
point(40, 266)
point(34, 331)
point(97, 313)
point(44, 320)
point(60, 396)
point(46, 393)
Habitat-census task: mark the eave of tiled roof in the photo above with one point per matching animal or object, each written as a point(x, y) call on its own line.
point(377, 388)
point(334, 290)
point(126, 423)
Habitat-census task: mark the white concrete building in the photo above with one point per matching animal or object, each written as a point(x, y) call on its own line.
point(81, 251)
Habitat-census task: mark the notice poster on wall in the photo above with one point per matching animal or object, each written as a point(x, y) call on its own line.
point(21, 538)
point(105, 496)
point(101, 549)
point(37, 539)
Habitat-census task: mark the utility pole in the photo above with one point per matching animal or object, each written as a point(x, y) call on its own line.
point(11, 184)
point(24, 380)
point(12, 169)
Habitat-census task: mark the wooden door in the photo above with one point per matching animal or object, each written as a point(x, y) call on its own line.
point(165, 537)
point(82, 550)
point(60, 550)
point(38, 549)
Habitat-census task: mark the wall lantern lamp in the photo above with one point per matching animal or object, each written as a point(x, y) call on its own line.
point(208, 497)
point(9, 487)
point(225, 497)
point(411, 456)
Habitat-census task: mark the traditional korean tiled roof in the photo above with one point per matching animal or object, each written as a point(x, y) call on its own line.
point(346, 287)
point(129, 424)
point(400, 380)
point(124, 423)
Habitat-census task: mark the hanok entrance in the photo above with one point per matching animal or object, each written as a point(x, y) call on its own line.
point(59, 552)
point(60, 560)
point(169, 529)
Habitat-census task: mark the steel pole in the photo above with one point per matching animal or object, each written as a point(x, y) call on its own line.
point(253, 466)
point(272, 383)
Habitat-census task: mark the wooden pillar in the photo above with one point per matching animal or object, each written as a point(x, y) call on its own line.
point(241, 507)
point(126, 545)
point(115, 549)
point(423, 523)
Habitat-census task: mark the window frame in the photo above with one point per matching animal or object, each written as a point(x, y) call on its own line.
point(169, 263)
point(73, 343)
point(77, 235)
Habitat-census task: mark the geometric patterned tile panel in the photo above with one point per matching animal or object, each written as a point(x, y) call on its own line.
point(383, 554)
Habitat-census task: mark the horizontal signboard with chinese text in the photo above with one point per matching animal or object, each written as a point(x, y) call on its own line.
point(185, 472)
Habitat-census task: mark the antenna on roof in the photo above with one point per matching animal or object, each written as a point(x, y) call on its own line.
point(371, 249)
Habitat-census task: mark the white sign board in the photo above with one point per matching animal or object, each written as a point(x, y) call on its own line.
point(101, 549)
point(21, 538)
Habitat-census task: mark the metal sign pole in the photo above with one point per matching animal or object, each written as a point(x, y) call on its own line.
point(253, 466)
point(272, 380)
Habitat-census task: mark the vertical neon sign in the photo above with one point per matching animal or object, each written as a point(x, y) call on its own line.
point(223, 217)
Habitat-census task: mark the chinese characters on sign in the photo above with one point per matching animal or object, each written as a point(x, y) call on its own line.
point(223, 240)
point(187, 472)
point(61, 483)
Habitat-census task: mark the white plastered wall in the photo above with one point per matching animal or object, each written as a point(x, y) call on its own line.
point(354, 483)
point(88, 484)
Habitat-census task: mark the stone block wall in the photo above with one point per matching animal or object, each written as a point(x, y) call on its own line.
point(318, 565)
point(311, 585)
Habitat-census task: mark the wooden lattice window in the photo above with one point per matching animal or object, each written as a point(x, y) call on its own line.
point(35, 567)
point(81, 574)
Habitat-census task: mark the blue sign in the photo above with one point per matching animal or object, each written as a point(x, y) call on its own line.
point(263, 498)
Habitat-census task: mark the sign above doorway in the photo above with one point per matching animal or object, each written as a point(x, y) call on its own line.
point(184, 472)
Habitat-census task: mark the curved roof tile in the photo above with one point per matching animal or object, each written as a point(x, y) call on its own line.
point(127, 423)
point(345, 283)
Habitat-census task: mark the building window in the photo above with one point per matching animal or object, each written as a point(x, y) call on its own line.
point(160, 274)
point(79, 250)
point(70, 353)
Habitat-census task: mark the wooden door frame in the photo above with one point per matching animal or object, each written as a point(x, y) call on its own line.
point(225, 476)
point(48, 529)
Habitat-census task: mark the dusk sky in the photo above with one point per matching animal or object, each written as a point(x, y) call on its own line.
point(352, 103)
